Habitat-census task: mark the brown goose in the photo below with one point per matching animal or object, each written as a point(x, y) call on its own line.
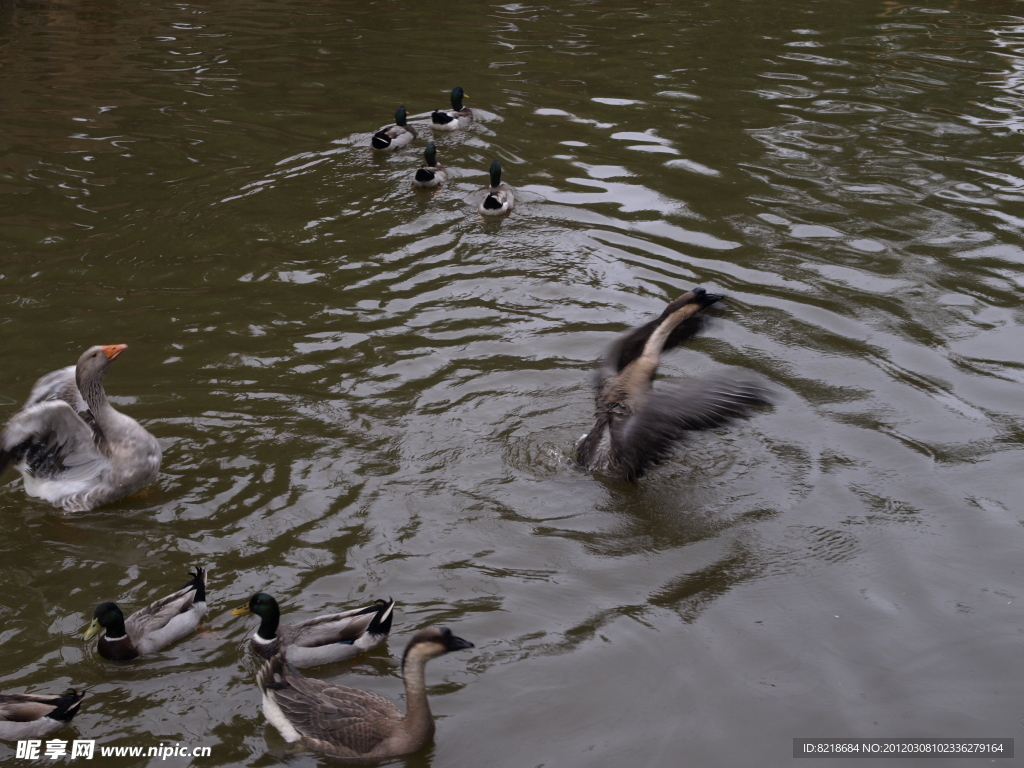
point(149, 629)
point(70, 445)
point(36, 716)
point(321, 640)
point(637, 425)
point(348, 722)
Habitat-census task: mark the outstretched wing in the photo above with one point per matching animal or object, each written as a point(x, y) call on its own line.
point(54, 442)
point(630, 345)
point(675, 408)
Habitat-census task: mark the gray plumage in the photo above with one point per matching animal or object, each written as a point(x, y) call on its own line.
point(454, 119)
point(36, 716)
point(637, 425)
point(393, 137)
point(152, 628)
point(320, 640)
point(71, 446)
point(349, 722)
point(499, 199)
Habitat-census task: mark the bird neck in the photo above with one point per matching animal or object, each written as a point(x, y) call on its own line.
point(91, 388)
point(268, 625)
point(418, 722)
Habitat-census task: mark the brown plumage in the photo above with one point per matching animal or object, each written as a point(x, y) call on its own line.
point(349, 722)
point(637, 425)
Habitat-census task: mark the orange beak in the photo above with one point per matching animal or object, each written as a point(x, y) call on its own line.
point(113, 350)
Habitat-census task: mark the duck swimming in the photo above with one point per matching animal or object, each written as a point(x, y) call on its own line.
point(159, 624)
point(636, 424)
point(454, 119)
point(322, 640)
point(431, 175)
point(36, 716)
point(498, 199)
point(393, 137)
point(348, 722)
point(70, 444)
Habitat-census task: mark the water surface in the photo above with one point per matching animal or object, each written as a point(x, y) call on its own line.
point(366, 392)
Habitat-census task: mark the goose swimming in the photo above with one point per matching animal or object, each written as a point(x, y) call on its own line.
point(349, 722)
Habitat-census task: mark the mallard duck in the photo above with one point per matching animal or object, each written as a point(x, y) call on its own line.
point(431, 174)
point(498, 200)
point(322, 640)
point(36, 716)
point(157, 625)
point(636, 424)
point(348, 722)
point(70, 445)
point(453, 119)
point(395, 136)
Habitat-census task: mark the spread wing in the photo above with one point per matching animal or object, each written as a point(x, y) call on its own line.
point(58, 385)
point(628, 346)
point(675, 408)
point(54, 442)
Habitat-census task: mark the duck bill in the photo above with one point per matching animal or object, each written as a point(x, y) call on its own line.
point(92, 630)
point(241, 611)
point(112, 351)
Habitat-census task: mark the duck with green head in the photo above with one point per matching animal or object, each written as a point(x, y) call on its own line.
point(454, 119)
point(432, 174)
point(393, 137)
point(159, 624)
point(321, 640)
point(498, 199)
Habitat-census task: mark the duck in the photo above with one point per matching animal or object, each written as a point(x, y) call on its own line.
point(637, 425)
point(349, 722)
point(454, 119)
point(393, 137)
point(498, 200)
point(36, 716)
point(431, 175)
point(71, 446)
point(156, 626)
point(322, 640)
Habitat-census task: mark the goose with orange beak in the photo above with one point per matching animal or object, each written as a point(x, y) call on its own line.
point(71, 446)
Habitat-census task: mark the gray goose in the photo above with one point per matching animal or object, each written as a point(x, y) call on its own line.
point(637, 425)
point(320, 640)
point(70, 445)
point(36, 716)
point(348, 722)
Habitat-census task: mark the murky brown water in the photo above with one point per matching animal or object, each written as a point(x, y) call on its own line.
point(365, 392)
